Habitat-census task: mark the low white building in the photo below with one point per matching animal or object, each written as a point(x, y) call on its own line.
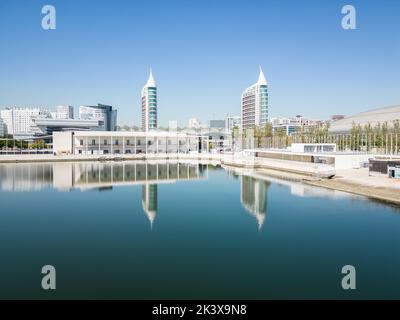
point(2, 128)
point(313, 147)
point(127, 143)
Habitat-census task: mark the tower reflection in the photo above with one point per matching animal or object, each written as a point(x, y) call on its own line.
point(253, 196)
point(150, 201)
point(149, 175)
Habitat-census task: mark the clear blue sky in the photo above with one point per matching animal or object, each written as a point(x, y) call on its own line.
point(203, 54)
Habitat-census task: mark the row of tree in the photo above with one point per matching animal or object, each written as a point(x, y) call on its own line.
point(22, 144)
point(382, 136)
point(379, 129)
point(323, 130)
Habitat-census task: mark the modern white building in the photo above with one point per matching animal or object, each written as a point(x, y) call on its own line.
point(254, 104)
point(49, 125)
point(64, 112)
point(232, 122)
point(128, 143)
point(2, 128)
point(149, 105)
point(293, 125)
point(25, 123)
point(373, 118)
point(288, 125)
point(19, 122)
point(194, 123)
point(105, 114)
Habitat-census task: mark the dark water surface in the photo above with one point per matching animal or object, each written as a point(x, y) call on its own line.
point(188, 231)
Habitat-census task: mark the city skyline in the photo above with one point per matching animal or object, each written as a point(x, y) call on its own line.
point(93, 56)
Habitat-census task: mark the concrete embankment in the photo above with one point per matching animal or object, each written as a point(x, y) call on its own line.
point(288, 167)
point(355, 181)
point(358, 181)
point(382, 194)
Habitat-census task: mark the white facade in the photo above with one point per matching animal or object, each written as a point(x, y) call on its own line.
point(2, 128)
point(64, 112)
point(173, 125)
point(7, 117)
point(254, 104)
point(194, 123)
point(313, 147)
point(149, 105)
point(232, 122)
point(293, 125)
point(127, 143)
point(102, 113)
point(20, 121)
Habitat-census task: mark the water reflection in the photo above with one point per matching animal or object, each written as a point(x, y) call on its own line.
point(253, 180)
point(253, 196)
point(102, 176)
point(94, 175)
point(150, 201)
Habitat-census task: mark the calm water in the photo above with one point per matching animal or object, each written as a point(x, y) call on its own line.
point(191, 231)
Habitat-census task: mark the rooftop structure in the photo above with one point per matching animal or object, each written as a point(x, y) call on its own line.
point(194, 123)
point(105, 114)
point(217, 124)
point(372, 117)
point(49, 125)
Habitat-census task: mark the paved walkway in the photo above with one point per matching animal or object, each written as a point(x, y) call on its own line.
point(358, 181)
point(362, 177)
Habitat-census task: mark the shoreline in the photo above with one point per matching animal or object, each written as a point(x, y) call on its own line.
point(384, 194)
point(354, 181)
point(389, 195)
point(49, 158)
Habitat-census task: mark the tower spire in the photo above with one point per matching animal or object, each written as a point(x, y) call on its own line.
point(151, 82)
point(261, 79)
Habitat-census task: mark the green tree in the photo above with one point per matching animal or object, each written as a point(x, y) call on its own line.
point(38, 144)
point(268, 133)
